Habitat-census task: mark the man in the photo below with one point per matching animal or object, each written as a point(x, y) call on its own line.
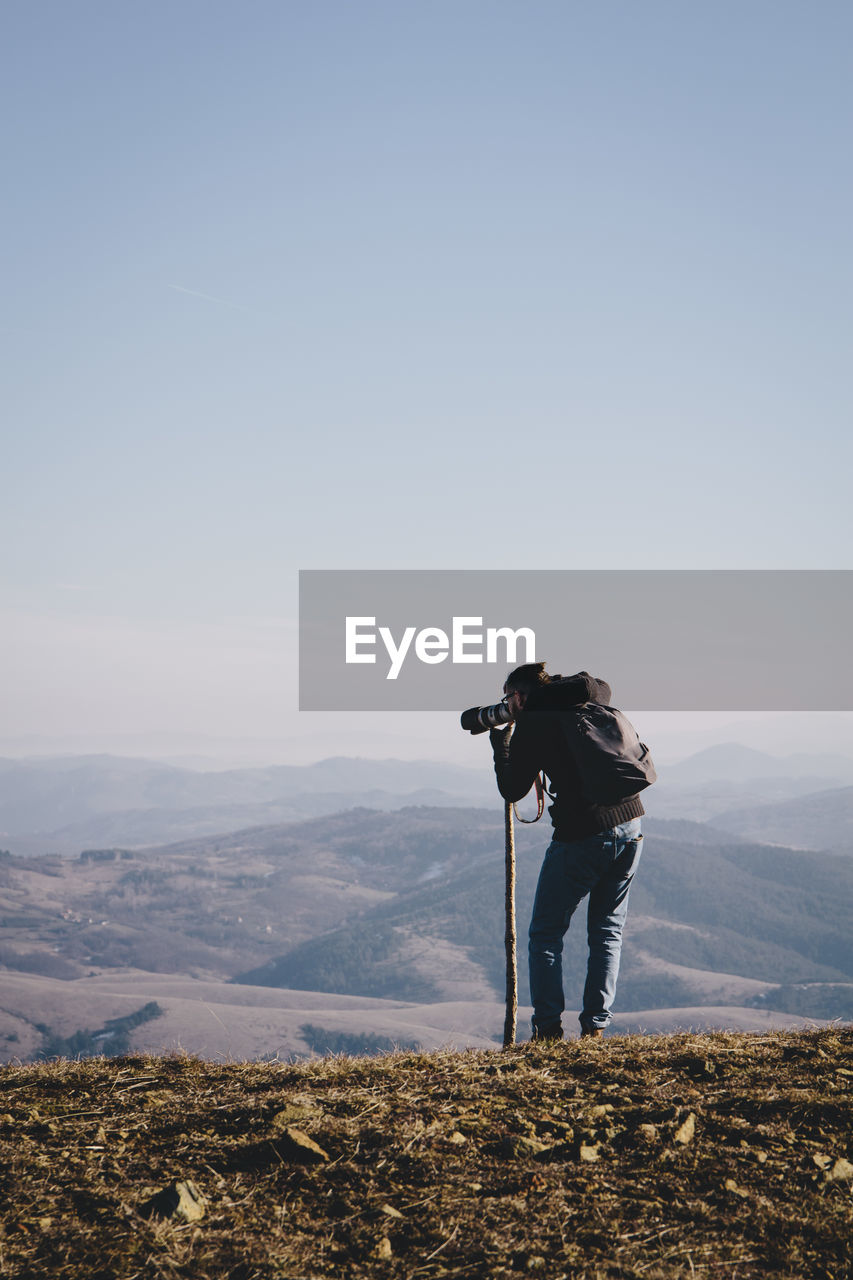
point(595, 849)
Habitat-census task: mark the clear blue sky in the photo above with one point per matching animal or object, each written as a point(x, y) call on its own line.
point(402, 284)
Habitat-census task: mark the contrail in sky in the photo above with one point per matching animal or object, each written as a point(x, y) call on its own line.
point(179, 288)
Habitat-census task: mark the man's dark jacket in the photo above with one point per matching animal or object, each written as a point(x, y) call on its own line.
point(538, 745)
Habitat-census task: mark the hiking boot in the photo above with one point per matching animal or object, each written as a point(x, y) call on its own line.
point(552, 1032)
point(595, 1032)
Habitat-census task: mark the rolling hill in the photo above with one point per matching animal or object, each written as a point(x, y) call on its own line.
point(69, 804)
point(821, 820)
point(406, 909)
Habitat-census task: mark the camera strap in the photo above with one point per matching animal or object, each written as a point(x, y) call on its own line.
point(539, 785)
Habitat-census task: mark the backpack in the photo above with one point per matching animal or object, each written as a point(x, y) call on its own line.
point(611, 761)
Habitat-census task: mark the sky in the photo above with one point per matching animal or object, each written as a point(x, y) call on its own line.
point(361, 284)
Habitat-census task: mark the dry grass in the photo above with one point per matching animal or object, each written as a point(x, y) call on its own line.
point(577, 1160)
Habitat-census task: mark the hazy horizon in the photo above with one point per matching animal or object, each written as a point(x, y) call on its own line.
point(673, 736)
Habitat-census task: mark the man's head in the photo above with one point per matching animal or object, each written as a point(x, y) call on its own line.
point(521, 682)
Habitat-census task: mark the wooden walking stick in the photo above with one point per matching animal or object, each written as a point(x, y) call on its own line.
point(509, 936)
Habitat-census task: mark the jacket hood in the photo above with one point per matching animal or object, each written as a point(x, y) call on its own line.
point(563, 692)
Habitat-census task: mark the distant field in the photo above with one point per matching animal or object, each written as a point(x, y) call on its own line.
point(222, 1022)
point(394, 921)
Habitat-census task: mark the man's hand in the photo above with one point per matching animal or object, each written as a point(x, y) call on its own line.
point(499, 738)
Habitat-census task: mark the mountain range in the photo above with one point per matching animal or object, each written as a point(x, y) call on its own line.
point(69, 804)
point(406, 908)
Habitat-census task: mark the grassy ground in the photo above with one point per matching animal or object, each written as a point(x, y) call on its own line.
point(713, 1156)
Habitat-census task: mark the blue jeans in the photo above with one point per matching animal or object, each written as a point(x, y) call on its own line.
point(602, 866)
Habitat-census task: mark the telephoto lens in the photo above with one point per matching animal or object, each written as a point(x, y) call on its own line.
point(481, 719)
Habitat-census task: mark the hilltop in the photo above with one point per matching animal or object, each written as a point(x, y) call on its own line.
point(659, 1157)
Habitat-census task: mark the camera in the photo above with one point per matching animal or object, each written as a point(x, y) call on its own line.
point(481, 719)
